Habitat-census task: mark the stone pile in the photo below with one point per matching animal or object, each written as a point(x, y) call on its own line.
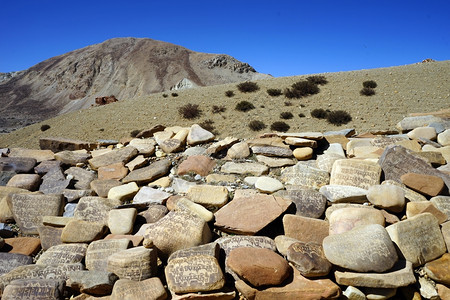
point(176, 214)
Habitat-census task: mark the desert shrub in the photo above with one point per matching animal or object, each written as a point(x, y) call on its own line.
point(370, 84)
point(244, 106)
point(45, 127)
point(256, 125)
point(207, 125)
point(317, 79)
point(301, 115)
point(165, 95)
point(218, 109)
point(229, 94)
point(301, 89)
point(262, 106)
point(286, 115)
point(279, 126)
point(339, 117)
point(190, 111)
point(174, 95)
point(319, 113)
point(247, 87)
point(287, 103)
point(367, 92)
point(274, 92)
point(134, 133)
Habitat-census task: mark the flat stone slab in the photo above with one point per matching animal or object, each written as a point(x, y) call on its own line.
point(344, 193)
point(309, 259)
point(72, 157)
point(28, 210)
point(304, 175)
point(305, 229)
point(102, 187)
point(136, 263)
point(308, 202)
point(79, 231)
point(275, 162)
point(38, 155)
point(365, 248)
point(81, 178)
point(229, 243)
point(389, 197)
point(438, 269)
point(400, 275)
point(33, 288)
point(121, 221)
point(124, 192)
point(425, 184)
point(96, 283)
point(10, 261)
point(198, 164)
point(145, 175)
point(200, 273)
point(151, 288)
point(248, 215)
point(17, 164)
point(57, 144)
point(347, 218)
point(54, 182)
point(272, 151)
point(95, 209)
point(418, 238)
point(266, 184)
point(211, 249)
point(98, 252)
point(210, 196)
point(63, 254)
point(22, 245)
point(123, 155)
point(50, 236)
point(255, 169)
point(355, 172)
point(198, 135)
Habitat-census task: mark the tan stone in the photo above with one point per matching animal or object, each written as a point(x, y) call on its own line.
point(422, 132)
point(25, 181)
point(121, 221)
point(23, 245)
point(215, 178)
point(438, 269)
point(115, 171)
point(95, 209)
point(151, 288)
point(303, 153)
point(239, 150)
point(210, 196)
point(345, 219)
point(198, 135)
point(123, 192)
point(79, 231)
point(300, 142)
point(354, 172)
point(123, 155)
point(305, 229)
point(415, 208)
point(198, 164)
point(136, 163)
point(137, 263)
point(98, 252)
point(426, 184)
point(38, 155)
point(145, 147)
point(389, 197)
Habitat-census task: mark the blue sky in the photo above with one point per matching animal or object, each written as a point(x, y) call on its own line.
point(282, 38)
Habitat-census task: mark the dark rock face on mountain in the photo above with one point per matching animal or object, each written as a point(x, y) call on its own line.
point(124, 67)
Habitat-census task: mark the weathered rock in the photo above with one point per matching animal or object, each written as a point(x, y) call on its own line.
point(365, 248)
point(309, 259)
point(145, 147)
point(305, 229)
point(443, 291)
point(123, 192)
point(50, 236)
point(426, 288)
point(211, 196)
point(221, 145)
point(303, 153)
point(345, 219)
point(172, 145)
point(308, 202)
point(95, 209)
point(186, 229)
point(145, 175)
point(57, 144)
point(283, 242)
point(154, 212)
point(442, 203)
point(425, 184)
point(72, 158)
point(258, 266)
point(63, 254)
point(5, 176)
point(121, 221)
point(275, 162)
point(216, 178)
point(149, 132)
point(415, 208)
point(244, 168)
point(79, 231)
point(210, 249)
point(151, 288)
point(231, 242)
point(28, 209)
point(239, 150)
point(354, 172)
point(81, 178)
point(409, 123)
point(352, 293)
point(300, 142)
point(199, 273)
point(422, 132)
point(33, 288)
point(23, 245)
point(123, 155)
point(305, 176)
point(268, 185)
point(137, 263)
point(10, 261)
point(115, 171)
point(136, 163)
point(38, 155)
point(194, 208)
point(272, 151)
point(344, 193)
point(418, 238)
point(198, 164)
point(136, 240)
point(248, 215)
point(433, 157)
point(409, 194)
point(74, 195)
point(389, 197)
point(29, 182)
point(443, 138)
point(438, 269)
point(98, 252)
point(98, 283)
point(198, 135)
point(102, 187)
point(400, 275)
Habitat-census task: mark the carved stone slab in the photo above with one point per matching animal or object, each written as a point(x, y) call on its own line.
point(17, 164)
point(308, 202)
point(95, 209)
point(355, 172)
point(81, 178)
point(194, 274)
point(92, 282)
point(137, 263)
point(344, 193)
point(148, 174)
point(50, 236)
point(98, 252)
point(51, 289)
point(305, 176)
point(231, 242)
point(151, 288)
point(211, 249)
point(10, 261)
point(63, 254)
point(305, 229)
point(119, 155)
point(28, 209)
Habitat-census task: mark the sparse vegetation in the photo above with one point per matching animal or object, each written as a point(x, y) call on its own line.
point(319, 113)
point(45, 127)
point(229, 94)
point(244, 106)
point(208, 125)
point(134, 133)
point(174, 95)
point(286, 115)
point(274, 92)
point(218, 109)
point(279, 126)
point(301, 115)
point(287, 103)
point(367, 91)
point(165, 95)
point(370, 84)
point(338, 117)
point(317, 79)
point(248, 87)
point(190, 111)
point(301, 89)
point(256, 125)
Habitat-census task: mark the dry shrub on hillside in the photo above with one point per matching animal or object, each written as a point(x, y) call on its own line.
point(274, 92)
point(247, 87)
point(208, 125)
point(218, 109)
point(244, 106)
point(229, 94)
point(319, 113)
point(45, 127)
point(190, 111)
point(370, 84)
point(286, 115)
point(174, 95)
point(317, 79)
point(279, 126)
point(338, 117)
point(301, 89)
point(367, 92)
point(256, 125)
point(134, 133)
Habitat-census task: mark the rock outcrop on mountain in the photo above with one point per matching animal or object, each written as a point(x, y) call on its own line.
point(124, 67)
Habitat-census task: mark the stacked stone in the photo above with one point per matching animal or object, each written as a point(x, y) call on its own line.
point(284, 215)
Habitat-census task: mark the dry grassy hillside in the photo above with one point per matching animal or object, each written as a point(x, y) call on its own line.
point(401, 90)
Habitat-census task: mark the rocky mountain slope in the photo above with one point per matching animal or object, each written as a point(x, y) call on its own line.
point(124, 67)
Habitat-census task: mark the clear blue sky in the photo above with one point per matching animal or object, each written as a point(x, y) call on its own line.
point(282, 38)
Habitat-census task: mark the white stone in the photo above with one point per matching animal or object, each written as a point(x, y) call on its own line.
point(267, 184)
point(150, 195)
point(123, 192)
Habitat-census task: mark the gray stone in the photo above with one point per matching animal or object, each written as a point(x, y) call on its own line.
point(63, 254)
point(352, 293)
point(33, 288)
point(275, 162)
point(17, 164)
point(181, 185)
point(39, 155)
point(145, 147)
point(102, 187)
point(305, 176)
point(427, 289)
point(231, 242)
point(98, 252)
point(211, 249)
point(50, 236)
point(57, 144)
point(355, 172)
point(365, 248)
point(309, 259)
point(244, 168)
point(137, 263)
point(148, 195)
point(54, 182)
point(28, 210)
point(418, 238)
point(410, 123)
point(409, 194)
point(145, 175)
point(272, 151)
point(221, 145)
point(442, 203)
point(81, 178)
point(197, 150)
point(325, 162)
point(198, 135)
point(344, 193)
point(72, 157)
point(308, 202)
point(74, 195)
point(95, 209)
point(98, 283)
point(151, 288)
point(154, 212)
point(10, 261)
point(124, 155)
point(5, 176)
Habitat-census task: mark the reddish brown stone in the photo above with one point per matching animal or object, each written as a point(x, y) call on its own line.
point(258, 266)
point(115, 171)
point(61, 144)
point(22, 245)
point(425, 184)
point(105, 100)
point(305, 229)
point(198, 164)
